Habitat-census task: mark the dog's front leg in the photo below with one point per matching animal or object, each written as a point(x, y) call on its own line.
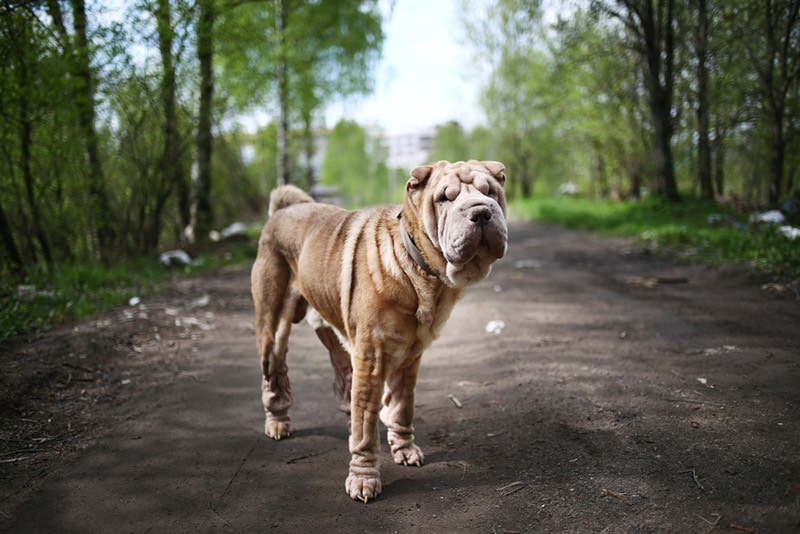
point(364, 481)
point(398, 413)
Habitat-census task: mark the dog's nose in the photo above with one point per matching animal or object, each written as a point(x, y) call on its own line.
point(479, 214)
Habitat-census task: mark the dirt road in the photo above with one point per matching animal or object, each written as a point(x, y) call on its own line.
point(621, 392)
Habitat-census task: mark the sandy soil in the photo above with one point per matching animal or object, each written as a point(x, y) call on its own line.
point(626, 392)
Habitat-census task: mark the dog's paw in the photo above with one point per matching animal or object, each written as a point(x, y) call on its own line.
point(277, 429)
point(408, 455)
point(362, 488)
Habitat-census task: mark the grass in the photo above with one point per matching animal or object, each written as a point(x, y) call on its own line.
point(67, 293)
point(698, 230)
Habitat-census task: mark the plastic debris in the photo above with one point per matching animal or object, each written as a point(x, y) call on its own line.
point(200, 302)
point(134, 301)
point(770, 217)
point(495, 327)
point(172, 258)
point(236, 228)
point(790, 232)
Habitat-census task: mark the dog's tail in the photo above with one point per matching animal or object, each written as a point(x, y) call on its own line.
point(286, 195)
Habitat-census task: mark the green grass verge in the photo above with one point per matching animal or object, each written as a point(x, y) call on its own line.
point(67, 293)
point(684, 227)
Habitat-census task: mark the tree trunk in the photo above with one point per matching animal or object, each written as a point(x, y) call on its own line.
point(779, 71)
point(203, 212)
point(308, 148)
point(84, 102)
point(10, 246)
point(284, 168)
point(776, 159)
point(27, 175)
point(599, 169)
point(655, 21)
point(26, 140)
point(172, 168)
point(702, 112)
point(719, 162)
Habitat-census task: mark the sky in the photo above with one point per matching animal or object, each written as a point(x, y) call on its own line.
point(423, 78)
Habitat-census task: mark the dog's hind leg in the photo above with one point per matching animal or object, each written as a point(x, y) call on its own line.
point(340, 360)
point(276, 305)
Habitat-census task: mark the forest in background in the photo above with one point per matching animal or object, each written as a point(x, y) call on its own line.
point(118, 131)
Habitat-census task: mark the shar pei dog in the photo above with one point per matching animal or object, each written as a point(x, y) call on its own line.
point(377, 284)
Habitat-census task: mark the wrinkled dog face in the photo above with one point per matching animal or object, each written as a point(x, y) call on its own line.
point(464, 216)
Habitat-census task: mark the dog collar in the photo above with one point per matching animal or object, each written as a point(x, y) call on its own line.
point(414, 251)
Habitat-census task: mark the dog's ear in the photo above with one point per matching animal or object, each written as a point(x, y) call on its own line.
point(496, 169)
point(419, 175)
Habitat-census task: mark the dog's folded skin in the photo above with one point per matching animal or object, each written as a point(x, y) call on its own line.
point(376, 303)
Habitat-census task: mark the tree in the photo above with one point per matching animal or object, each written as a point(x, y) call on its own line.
point(450, 142)
point(701, 52)
point(347, 165)
point(203, 212)
point(309, 52)
point(773, 47)
point(26, 125)
point(85, 104)
point(172, 166)
point(515, 50)
point(650, 25)
point(600, 104)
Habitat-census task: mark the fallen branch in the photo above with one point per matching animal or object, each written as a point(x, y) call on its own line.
point(513, 488)
point(15, 460)
point(694, 477)
point(617, 495)
point(716, 521)
point(734, 526)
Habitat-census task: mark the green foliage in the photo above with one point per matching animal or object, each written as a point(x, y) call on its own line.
point(682, 227)
point(352, 165)
point(450, 143)
point(328, 47)
point(243, 193)
point(571, 100)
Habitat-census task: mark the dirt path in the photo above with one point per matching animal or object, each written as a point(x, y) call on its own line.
point(625, 392)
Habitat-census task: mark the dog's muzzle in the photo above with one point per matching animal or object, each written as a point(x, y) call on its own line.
point(474, 227)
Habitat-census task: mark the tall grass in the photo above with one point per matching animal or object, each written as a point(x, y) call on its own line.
point(699, 230)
